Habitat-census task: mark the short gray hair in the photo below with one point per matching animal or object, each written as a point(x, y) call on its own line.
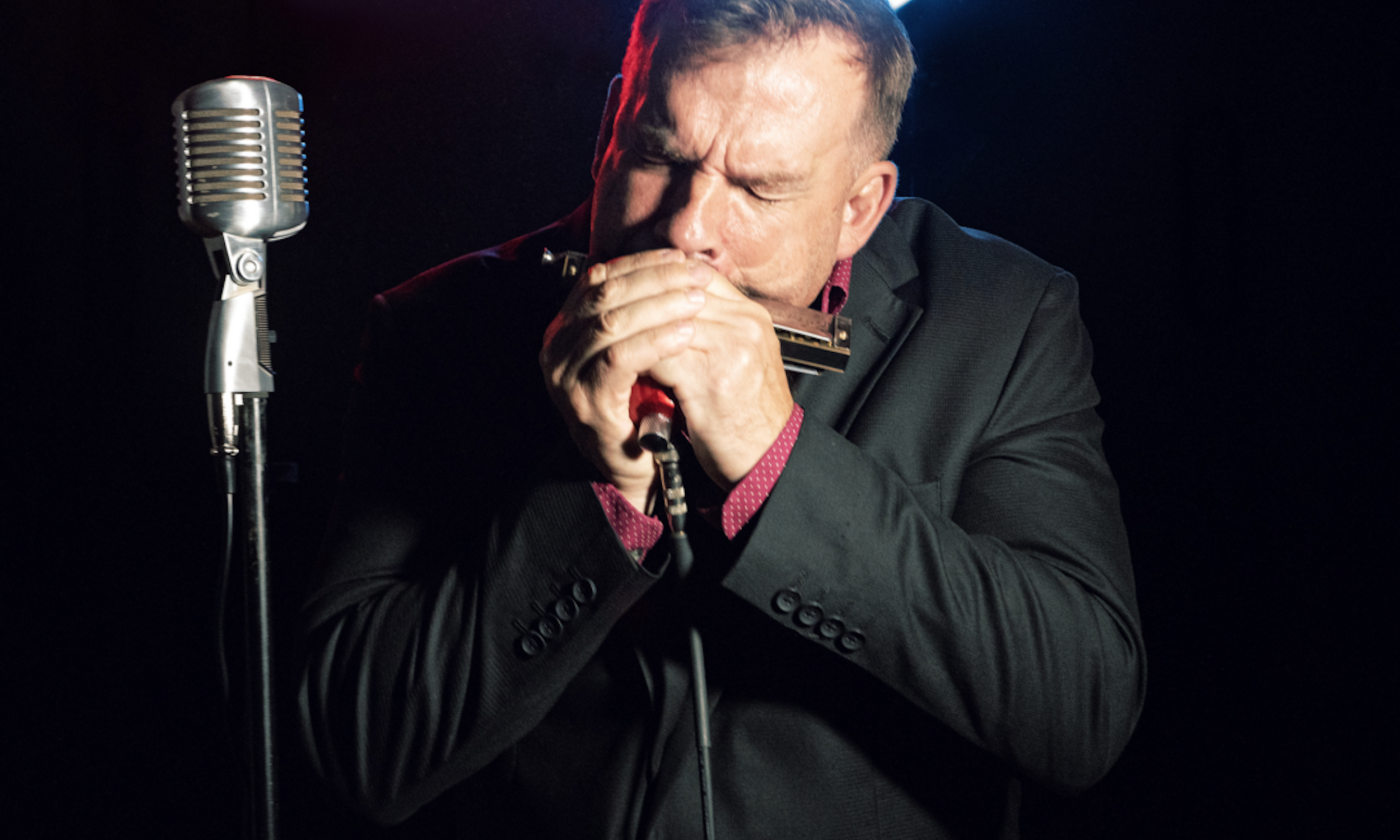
point(671, 35)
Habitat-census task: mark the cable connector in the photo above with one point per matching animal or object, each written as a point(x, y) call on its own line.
point(672, 489)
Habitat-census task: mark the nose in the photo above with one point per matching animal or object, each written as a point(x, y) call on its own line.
point(692, 219)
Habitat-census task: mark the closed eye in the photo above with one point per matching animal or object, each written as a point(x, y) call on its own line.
point(755, 193)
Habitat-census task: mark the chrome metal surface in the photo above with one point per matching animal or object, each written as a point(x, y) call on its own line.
point(241, 158)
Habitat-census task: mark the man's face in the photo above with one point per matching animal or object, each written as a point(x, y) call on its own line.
point(745, 160)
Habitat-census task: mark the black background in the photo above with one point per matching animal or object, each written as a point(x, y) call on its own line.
point(1218, 175)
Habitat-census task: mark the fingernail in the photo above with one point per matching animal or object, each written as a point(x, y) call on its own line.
point(695, 295)
point(700, 271)
point(685, 328)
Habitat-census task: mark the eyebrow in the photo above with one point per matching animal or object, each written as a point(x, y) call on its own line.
point(654, 139)
point(774, 180)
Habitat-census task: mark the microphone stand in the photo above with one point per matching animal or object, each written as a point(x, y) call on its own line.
point(238, 380)
point(240, 160)
point(262, 747)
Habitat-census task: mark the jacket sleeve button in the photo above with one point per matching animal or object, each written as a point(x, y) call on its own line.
point(831, 628)
point(584, 590)
point(851, 642)
point(809, 615)
point(786, 601)
point(565, 609)
point(529, 644)
point(549, 627)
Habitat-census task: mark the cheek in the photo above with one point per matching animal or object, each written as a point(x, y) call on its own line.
point(786, 252)
point(623, 201)
point(752, 236)
point(640, 195)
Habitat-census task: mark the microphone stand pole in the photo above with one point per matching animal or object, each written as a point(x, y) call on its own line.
point(262, 749)
point(238, 380)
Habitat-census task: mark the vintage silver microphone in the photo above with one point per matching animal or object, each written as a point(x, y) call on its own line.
point(240, 159)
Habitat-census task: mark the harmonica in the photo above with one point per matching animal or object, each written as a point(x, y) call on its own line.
point(809, 341)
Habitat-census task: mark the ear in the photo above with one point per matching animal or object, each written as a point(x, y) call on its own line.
point(870, 197)
point(605, 131)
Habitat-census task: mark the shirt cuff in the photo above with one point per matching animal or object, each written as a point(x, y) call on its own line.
point(748, 495)
point(637, 531)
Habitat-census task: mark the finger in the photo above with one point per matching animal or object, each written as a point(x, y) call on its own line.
point(648, 313)
point(732, 338)
point(630, 263)
point(720, 283)
point(600, 273)
point(742, 318)
point(615, 369)
point(627, 280)
point(597, 311)
point(597, 394)
point(578, 344)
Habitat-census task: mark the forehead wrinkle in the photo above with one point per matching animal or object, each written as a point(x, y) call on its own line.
point(654, 122)
point(749, 114)
point(742, 104)
point(789, 90)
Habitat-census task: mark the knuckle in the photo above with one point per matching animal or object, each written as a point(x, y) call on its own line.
point(611, 321)
point(755, 333)
point(602, 296)
point(613, 357)
point(743, 359)
point(681, 301)
point(582, 407)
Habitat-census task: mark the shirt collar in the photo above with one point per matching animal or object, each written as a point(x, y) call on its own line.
point(837, 289)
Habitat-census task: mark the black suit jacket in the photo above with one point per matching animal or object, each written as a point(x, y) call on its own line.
point(935, 602)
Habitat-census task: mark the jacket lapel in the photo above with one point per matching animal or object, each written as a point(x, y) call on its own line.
point(880, 322)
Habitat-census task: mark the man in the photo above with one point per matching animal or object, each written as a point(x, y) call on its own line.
point(913, 582)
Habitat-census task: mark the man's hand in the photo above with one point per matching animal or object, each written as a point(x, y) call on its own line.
point(729, 382)
point(621, 320)
point(682, 323)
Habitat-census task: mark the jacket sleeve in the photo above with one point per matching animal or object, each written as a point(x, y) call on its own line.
point(453, 604)
point(1009, 616)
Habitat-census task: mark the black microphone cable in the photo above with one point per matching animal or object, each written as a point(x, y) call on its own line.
point(653, 410)
point(673, 491)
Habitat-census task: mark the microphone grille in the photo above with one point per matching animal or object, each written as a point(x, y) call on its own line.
point(290, 150)
point(241, 158)
point(225, 156)
point(233, 155)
